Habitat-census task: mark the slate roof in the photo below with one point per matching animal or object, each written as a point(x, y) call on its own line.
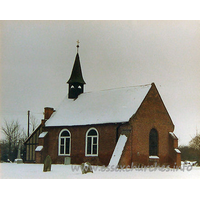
point(76, 75)
point(107, 106)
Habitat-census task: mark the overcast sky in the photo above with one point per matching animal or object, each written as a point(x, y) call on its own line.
point(37, 58)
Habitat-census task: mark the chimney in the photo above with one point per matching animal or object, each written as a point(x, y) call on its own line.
point(48, 111)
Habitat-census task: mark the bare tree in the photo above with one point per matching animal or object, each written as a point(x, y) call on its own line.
point(14, 134)
point(195, 142)
point(33, 122)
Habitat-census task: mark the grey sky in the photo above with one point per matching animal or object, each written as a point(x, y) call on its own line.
point(37, 59)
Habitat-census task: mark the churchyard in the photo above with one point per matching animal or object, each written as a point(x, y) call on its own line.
point(35, 171)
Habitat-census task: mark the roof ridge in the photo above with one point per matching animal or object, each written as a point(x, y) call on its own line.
point(119, 88)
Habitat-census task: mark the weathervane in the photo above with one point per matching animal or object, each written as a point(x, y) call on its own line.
point(77, 45)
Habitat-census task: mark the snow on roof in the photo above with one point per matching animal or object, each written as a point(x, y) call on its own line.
point(173, 135)
point(153, 157)
point(177, 150)
point(107, 106)
point(39, 148)
point(118, 151)
point(43, 134)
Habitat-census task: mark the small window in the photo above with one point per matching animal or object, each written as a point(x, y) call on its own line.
point(64, 142)
point(91, 143)
point(153, 143)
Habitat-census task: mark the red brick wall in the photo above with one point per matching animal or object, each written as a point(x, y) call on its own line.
point(178, 159)
point(174, 157)
point(151, 114)
point(107, 142)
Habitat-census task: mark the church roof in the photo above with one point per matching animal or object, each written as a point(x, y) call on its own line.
point(107, 106)
point(76, 76)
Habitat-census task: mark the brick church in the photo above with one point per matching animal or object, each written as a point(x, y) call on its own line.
point(117, 126)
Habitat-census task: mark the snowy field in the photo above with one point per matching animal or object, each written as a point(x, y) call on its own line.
point(35, 171)
point(19, 180)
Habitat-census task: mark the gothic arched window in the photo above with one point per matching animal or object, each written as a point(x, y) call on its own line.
point(153, 143)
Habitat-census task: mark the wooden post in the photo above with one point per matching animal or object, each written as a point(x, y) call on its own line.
point(28, 121)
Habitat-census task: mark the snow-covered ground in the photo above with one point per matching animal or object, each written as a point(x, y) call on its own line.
point(35, 171)
point(21, 180)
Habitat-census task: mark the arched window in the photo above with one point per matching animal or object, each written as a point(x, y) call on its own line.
point(64, 143)
point(91, 148)
point(153, 143)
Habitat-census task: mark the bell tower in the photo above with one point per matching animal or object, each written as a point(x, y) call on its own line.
point(76, 81)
